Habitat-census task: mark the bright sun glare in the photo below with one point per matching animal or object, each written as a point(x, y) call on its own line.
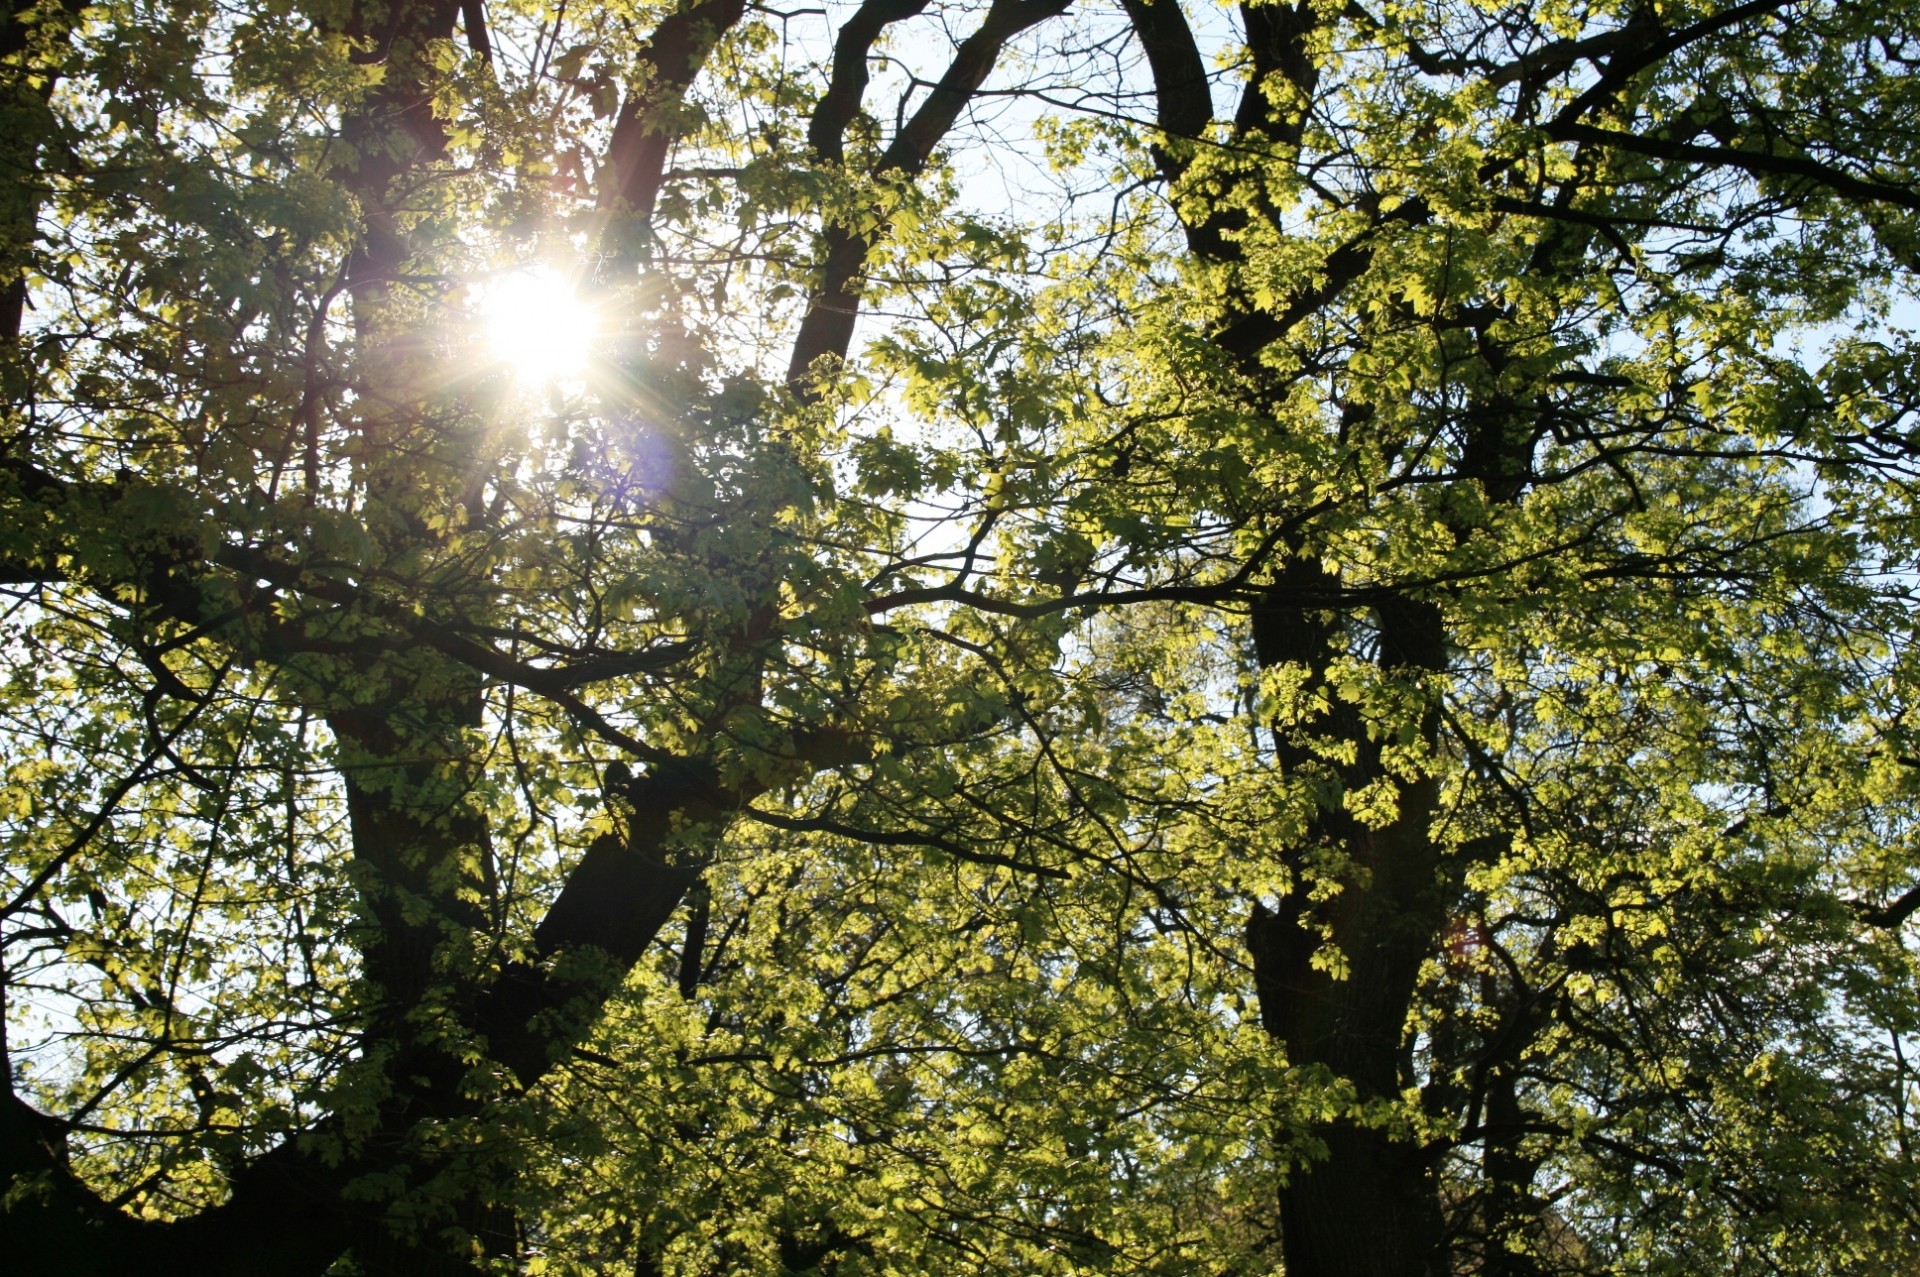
point(538, 325)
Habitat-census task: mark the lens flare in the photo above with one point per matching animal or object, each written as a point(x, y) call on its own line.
point(536, 324)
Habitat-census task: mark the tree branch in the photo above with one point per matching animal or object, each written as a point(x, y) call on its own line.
point(644, 129)
point(827, 329)
point(1756, 163)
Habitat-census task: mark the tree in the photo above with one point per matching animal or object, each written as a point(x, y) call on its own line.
point(1324, 688)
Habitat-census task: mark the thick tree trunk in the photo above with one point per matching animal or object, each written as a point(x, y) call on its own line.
point(1370, 1205)
point(1337, 975)
point(1368, 1211)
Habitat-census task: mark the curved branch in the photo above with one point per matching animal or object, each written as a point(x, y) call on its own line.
point(827, 329)
point(1755, 163)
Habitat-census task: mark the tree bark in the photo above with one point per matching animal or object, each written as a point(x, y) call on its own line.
point(1336, 976)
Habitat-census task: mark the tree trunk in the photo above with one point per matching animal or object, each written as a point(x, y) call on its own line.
point(1370, 1204)
point(1337, 975)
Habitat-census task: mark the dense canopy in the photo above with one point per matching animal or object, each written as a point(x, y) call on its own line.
point(920, 637)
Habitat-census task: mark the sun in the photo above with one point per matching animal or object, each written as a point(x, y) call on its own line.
point(537, 324)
